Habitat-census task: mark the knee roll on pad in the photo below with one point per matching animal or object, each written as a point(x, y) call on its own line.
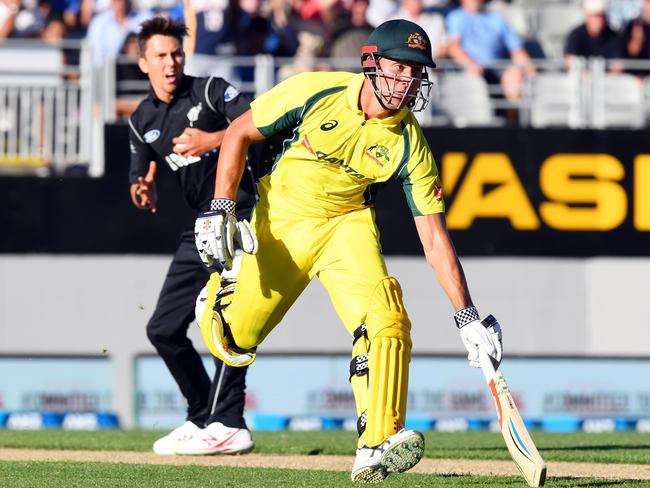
point(389, 336)
point(386, 314)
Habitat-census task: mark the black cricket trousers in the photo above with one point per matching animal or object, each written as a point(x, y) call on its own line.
point(222, 399)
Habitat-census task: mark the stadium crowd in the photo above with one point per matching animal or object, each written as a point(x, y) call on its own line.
point(482, 36)
point(327, 28)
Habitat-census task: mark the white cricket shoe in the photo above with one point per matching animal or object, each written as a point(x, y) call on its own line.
point(166, 445)
point(399, 453)
point(216, 438)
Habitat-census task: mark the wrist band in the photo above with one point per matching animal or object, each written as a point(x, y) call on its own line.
point(222, 205)
point(465, 316)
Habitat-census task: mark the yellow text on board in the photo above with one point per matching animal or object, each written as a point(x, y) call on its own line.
point(582, 192)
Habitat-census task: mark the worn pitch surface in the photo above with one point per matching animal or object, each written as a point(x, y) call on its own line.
point(333, 463)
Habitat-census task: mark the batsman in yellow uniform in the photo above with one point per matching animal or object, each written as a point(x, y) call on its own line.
point(348, 133)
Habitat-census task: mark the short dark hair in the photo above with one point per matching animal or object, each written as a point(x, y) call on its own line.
point(160, 25)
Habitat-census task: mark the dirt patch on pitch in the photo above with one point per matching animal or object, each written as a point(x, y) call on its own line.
point(333, 463)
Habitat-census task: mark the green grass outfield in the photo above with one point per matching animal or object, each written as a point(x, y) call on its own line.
point(632, 448)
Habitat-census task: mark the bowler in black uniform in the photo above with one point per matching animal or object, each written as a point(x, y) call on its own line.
point(180, 125)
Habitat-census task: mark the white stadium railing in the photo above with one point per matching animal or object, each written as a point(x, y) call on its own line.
point(53, 111)
point(47, 121)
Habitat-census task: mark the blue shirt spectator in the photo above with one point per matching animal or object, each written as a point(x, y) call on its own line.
point(108, 30)
point(485, 36)
point(478, 38)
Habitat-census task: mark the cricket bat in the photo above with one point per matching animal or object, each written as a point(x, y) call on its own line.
point(518, 440)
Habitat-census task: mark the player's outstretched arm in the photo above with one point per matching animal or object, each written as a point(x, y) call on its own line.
point(232, 157)
point(441, 256)
point(217, 230)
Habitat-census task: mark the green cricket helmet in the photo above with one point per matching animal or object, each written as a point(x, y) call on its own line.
point(399, 40)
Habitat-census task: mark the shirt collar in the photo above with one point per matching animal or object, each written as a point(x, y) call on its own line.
point(181, 92)
point(352, 96)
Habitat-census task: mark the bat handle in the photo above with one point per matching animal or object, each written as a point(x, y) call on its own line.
point(486, 366)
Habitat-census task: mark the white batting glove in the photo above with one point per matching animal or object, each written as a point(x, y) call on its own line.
point(476, 334)
point(217, 231)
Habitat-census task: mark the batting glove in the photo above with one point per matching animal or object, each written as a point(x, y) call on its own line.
point(475, 334)
point(217, 231)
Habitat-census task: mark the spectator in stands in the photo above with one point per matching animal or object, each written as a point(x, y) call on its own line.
point(108, 30)
point(8, 11)
point(478, 38)
point(31, 19)
point(382, 10)
point(212, 26)
point(128, 99)
point(68, 11)
point(257, 34)
point(91, 8)
point(432, 22)
point(636, 39)
point(351, 32)
point(312, 23)
point(55, 30)
point(594, 38)
point(619, 12)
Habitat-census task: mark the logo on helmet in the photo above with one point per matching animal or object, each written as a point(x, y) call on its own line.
point(416, 41)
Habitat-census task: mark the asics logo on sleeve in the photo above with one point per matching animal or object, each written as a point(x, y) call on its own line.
point(329, 125)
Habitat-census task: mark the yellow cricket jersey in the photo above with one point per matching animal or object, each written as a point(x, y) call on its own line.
point(334, 159)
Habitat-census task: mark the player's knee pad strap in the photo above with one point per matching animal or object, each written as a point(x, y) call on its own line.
point(359, 377)
point(389, 333)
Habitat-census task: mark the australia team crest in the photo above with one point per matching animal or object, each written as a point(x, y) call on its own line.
point(417, 41)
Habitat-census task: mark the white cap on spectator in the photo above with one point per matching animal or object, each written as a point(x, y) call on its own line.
point(593, 7)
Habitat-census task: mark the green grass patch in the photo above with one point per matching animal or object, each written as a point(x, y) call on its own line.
point(88, 475)
point(623, 447)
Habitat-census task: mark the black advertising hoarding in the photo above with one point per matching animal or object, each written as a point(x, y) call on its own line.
point(537, 193)
point(508, 192)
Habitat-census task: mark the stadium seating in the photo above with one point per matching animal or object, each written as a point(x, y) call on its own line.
point(465, 100)
point(622, 102)
point(553, 100)
point(553, 23)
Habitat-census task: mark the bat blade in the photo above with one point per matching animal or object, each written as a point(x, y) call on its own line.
point(516, 436)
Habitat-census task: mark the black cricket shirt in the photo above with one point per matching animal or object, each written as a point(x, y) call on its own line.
point(208, 104)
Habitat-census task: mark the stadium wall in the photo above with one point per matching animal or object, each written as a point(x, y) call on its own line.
point(551, 225)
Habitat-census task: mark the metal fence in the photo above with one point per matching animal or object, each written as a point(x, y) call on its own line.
point(54, 104)
point(48, 125)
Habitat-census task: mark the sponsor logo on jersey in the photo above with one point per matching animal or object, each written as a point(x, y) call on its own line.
point(151, 135)
point(329, 125)
point(379, 154)
point(193, 113)
point(416, 41)
point(176, 161)
point(230, 93)
point(321, 156)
